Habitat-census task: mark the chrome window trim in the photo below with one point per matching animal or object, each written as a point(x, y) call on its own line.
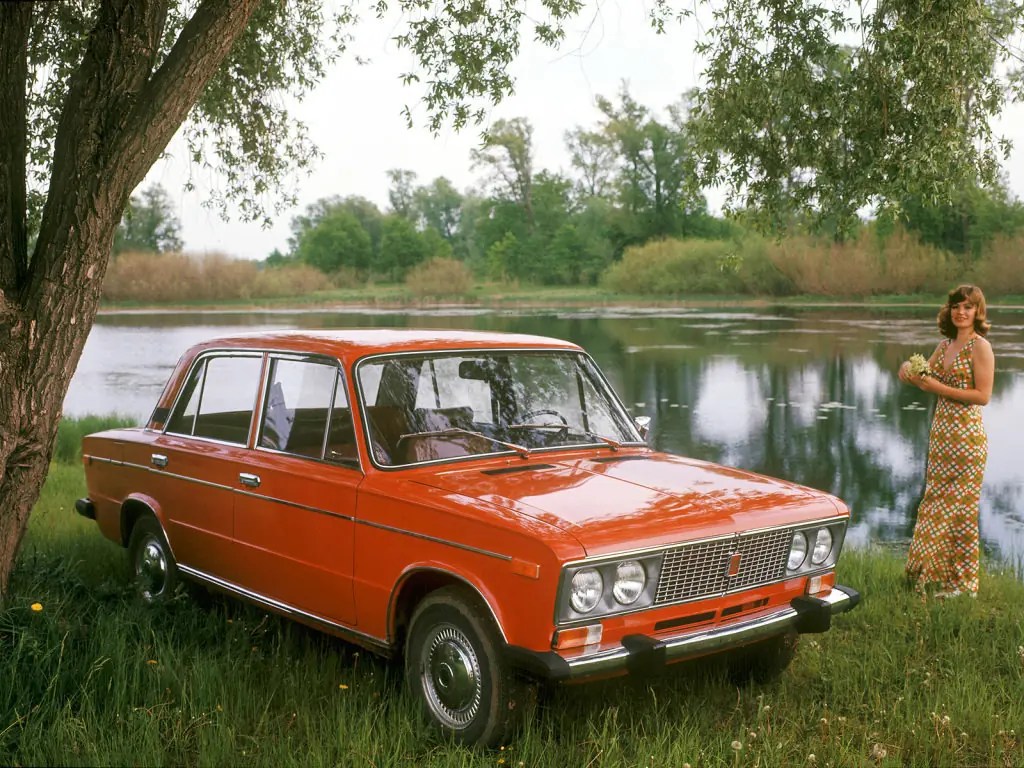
point(454, 351)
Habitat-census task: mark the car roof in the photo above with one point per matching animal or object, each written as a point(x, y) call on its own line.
point(358, 342)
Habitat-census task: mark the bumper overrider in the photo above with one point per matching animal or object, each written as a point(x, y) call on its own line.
point(805, 614)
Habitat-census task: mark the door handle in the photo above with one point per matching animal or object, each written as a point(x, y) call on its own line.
point(158, 460)
point(253, 481)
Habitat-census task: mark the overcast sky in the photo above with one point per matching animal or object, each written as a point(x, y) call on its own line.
point(355, 118)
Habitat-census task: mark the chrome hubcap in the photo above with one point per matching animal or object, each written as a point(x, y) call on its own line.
point(451, 676)
point(151, 569)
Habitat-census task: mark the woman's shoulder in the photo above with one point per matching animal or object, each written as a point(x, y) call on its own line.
point(980, 342)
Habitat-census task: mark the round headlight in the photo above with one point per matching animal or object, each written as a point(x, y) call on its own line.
point(822, 546)
point(797, 551)
point(587, 586)
point(630, 580)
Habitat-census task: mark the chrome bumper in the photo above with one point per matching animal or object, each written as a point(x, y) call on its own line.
point(804, 614)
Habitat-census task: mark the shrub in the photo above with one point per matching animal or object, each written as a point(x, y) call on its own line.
point(898, 263)
point(675, 267)
point(1000, 271)
point(148, 278)
point(439, 277)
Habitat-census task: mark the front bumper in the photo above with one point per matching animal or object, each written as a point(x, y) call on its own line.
point(804, 614)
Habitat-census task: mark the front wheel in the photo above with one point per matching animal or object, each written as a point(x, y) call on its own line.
point(456, 670)
point(153, 565)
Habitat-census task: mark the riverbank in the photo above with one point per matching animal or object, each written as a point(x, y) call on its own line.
point(89, 676)
point(504, 297)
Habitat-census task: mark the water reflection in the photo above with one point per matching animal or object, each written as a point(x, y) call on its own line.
point(809, 395)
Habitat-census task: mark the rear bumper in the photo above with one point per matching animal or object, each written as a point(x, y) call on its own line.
point(804, 614)
point(86, 508)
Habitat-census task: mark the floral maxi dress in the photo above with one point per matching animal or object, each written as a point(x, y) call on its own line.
point(944, 550)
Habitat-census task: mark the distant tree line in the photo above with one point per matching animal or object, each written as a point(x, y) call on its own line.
point(632, 178)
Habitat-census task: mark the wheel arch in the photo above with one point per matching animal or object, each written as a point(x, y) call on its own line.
point(134, 507)
point(420, 581)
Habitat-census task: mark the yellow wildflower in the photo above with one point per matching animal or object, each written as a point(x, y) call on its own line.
point(37, 607)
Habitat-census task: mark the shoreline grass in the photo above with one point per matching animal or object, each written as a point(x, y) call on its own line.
point(500, 296)
point(95, 678)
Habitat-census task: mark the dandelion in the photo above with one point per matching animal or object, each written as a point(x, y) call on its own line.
point(736, 745)
point(812, 758)
point(878, 752)
point(342, 686)
point(152, 662)
point(37, 607)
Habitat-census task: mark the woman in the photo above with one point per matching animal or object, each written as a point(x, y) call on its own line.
point(944, 551)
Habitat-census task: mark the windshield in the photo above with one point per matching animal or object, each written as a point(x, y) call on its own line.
point(429, 407)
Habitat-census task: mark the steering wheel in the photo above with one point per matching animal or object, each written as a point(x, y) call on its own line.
point(562, 428)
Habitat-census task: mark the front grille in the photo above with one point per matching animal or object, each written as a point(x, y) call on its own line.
point(701, 569)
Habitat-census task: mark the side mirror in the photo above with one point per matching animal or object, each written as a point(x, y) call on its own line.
point(643, 423)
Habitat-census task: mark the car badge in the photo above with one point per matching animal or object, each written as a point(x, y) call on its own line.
point(734, 564)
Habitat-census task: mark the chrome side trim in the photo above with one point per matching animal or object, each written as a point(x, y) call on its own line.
point(436, 540)
point(219, 486)
point(295, 505)
point(707, 641)
point(285, 608)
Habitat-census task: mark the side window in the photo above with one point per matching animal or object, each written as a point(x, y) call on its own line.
point(227, 398)
point(306, 411)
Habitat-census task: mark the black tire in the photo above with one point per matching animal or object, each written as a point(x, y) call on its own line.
point(763, 661)
point(456, 670)
point(153, 566)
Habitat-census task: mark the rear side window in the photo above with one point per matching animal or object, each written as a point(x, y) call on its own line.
point(218, 399)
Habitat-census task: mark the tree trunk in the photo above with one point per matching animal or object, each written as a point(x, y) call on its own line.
point(118, 117)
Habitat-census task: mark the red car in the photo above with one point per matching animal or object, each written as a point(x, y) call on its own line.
point(480, 504)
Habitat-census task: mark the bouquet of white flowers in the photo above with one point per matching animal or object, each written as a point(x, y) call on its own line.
point(919, 365)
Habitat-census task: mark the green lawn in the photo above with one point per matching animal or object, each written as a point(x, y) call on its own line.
point(92, 677)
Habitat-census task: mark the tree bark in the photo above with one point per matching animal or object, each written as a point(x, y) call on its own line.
point(119, 115)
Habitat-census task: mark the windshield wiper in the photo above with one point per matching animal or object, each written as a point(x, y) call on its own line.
point(613, 444)
point(523, 451)
point(610, 442)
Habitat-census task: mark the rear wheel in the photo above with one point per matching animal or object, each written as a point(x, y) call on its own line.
point(153, 565)
point(456, 670)
point(763, 661)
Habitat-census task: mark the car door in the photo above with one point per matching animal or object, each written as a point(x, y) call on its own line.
point(294, 520)
point(195, 463)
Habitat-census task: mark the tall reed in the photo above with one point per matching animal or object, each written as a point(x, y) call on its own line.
point(180, 278)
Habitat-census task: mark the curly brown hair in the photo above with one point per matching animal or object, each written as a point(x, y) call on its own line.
point(967, 292)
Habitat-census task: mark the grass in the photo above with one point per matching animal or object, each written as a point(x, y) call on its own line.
point(514, 296)
point(94, 677)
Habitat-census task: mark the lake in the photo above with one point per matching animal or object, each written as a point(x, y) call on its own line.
point(807, 394)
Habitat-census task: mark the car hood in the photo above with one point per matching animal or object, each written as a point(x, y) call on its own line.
point(625, 501)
